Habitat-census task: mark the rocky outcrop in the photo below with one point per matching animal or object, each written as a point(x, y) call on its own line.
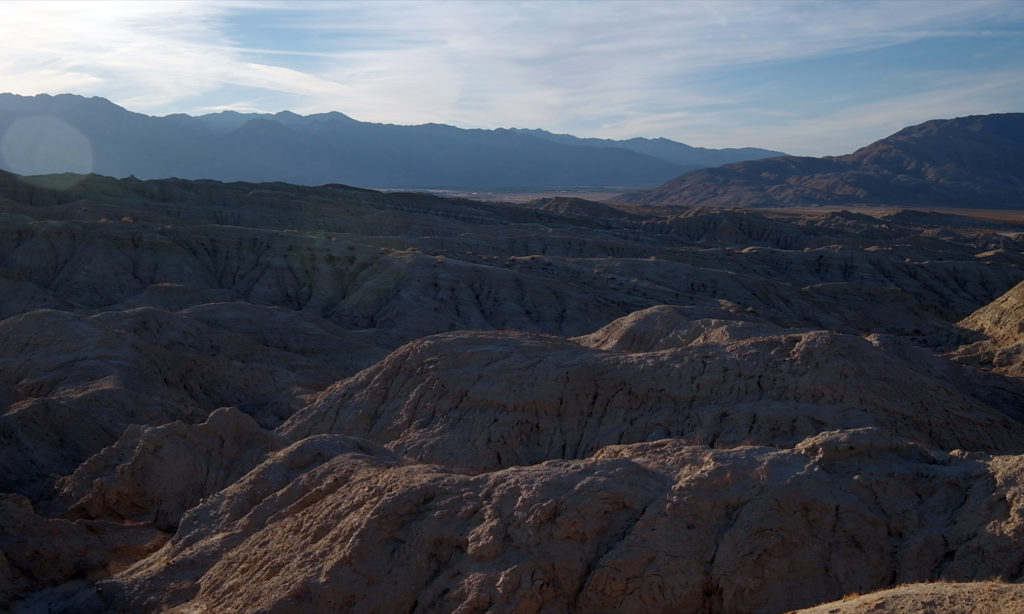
point(656, 527)
point(946, 597)
point(153, 475)
point(997, 341)
point(490, 400)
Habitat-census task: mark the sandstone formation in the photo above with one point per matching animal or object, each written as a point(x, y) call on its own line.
point(491, 400)
point(328, 525)
point(999, 327)
point(947, 597)
point(270, 398)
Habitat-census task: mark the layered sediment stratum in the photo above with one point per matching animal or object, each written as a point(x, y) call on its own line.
point(270, 398)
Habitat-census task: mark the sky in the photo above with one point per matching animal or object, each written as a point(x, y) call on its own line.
point(805, 77)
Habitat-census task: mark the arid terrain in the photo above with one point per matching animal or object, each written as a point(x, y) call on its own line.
point(236, 397)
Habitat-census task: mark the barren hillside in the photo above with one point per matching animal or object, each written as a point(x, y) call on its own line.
point(973, 161)
point(270, 398)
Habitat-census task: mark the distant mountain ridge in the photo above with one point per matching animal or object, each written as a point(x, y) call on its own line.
point(975, 161)
point(322, 148)
point(665, 149)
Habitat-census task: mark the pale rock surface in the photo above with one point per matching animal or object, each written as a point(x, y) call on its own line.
point(1000, 326)
point(932, 598)
point(330, 524)
point(483, 400)
point(289, 481)
point(669, 326)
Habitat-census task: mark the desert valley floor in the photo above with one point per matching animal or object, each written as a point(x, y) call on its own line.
point(230, 397)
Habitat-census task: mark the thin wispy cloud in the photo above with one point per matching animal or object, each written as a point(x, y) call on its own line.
point(612, 69)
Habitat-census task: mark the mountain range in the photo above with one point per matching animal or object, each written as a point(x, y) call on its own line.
point(663, 148)
point(325, 148)
point(975, 161)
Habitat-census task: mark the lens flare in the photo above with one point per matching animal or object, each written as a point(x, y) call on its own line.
point(42, 145)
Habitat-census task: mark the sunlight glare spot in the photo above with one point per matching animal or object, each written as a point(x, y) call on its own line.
point(43, 144)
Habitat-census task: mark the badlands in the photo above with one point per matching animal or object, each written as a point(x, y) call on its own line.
point(233, 397)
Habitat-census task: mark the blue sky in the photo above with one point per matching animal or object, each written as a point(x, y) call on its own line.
point(809, 78)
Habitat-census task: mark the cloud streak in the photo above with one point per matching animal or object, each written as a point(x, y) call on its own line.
point(615, 69)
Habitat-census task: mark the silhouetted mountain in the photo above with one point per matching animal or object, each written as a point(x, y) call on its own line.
point(665, 149)
point(71, 133)
point(975, 161)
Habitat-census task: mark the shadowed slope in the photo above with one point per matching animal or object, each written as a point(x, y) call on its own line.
point(974, 161)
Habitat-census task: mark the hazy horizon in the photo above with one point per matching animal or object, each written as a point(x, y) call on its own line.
point(805, 78)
